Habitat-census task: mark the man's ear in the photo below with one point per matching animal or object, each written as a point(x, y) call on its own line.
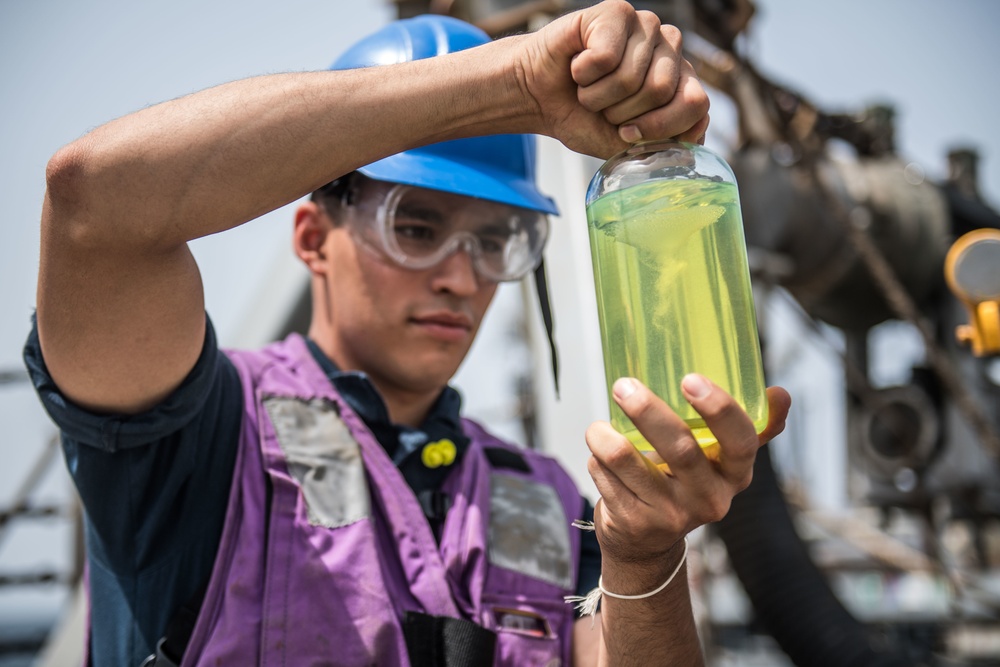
point(309, 237)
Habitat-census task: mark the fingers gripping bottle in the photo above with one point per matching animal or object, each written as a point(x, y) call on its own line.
point(673, 284)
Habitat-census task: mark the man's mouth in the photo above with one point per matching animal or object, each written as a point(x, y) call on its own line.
point(444, 325)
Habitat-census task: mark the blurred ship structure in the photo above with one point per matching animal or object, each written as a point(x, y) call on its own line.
point(858, 238)
point(41, 537)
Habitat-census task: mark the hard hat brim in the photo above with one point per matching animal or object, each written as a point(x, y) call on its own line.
point(448, 174)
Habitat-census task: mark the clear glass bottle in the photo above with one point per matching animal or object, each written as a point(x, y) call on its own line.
point(673, 284)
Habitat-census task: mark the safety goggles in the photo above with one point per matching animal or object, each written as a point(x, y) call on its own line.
point(418, 228)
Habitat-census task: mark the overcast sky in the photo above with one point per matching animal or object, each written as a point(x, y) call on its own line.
point(66, 67)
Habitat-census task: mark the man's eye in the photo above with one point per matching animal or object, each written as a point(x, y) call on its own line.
point(492, 243)
point(416, 232)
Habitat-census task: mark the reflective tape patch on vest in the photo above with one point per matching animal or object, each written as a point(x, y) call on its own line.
point(323, 457)
point(528, 529)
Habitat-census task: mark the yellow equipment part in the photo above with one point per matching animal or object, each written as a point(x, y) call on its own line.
point(972, 271)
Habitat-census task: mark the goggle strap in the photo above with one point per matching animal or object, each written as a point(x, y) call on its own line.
point(542, 289)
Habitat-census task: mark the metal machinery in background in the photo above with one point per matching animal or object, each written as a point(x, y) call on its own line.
point(858, 237)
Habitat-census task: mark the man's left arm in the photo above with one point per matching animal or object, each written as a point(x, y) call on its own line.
point(649, 504)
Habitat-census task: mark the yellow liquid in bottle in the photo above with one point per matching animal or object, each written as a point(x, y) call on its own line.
point(674, 296)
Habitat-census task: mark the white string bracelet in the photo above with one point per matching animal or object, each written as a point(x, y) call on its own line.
point(587, 604)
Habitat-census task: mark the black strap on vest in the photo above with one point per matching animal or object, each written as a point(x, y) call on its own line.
point(501, 457)
point(441, 641)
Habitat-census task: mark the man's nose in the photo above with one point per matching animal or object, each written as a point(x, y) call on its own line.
point(457, 272)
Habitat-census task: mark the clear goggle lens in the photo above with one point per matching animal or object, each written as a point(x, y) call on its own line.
point(418, 228)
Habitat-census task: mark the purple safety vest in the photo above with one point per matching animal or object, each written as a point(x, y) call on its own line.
point(325, 546)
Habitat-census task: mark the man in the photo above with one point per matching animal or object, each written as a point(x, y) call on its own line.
point(319, 502)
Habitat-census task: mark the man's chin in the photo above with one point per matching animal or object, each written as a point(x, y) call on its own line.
point(431, 372)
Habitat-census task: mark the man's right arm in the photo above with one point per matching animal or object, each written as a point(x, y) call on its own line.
point(120, 302)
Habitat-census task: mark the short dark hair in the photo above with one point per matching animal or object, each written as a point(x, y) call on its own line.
point(342, 190)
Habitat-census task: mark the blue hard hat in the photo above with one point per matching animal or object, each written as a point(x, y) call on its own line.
point(498, 168)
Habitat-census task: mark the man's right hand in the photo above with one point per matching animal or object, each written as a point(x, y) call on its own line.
point(608, 76)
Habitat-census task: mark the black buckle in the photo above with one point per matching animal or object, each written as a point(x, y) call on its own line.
point(434, 503)
point(159, 659)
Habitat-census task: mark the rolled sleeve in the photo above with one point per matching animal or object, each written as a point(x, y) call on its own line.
point(110, 432)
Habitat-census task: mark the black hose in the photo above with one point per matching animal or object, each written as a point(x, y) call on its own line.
point(790, 596)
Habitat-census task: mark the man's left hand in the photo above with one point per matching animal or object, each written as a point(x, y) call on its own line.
point(648, 503)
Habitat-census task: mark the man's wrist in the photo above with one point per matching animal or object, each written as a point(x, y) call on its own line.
point(637, 576)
